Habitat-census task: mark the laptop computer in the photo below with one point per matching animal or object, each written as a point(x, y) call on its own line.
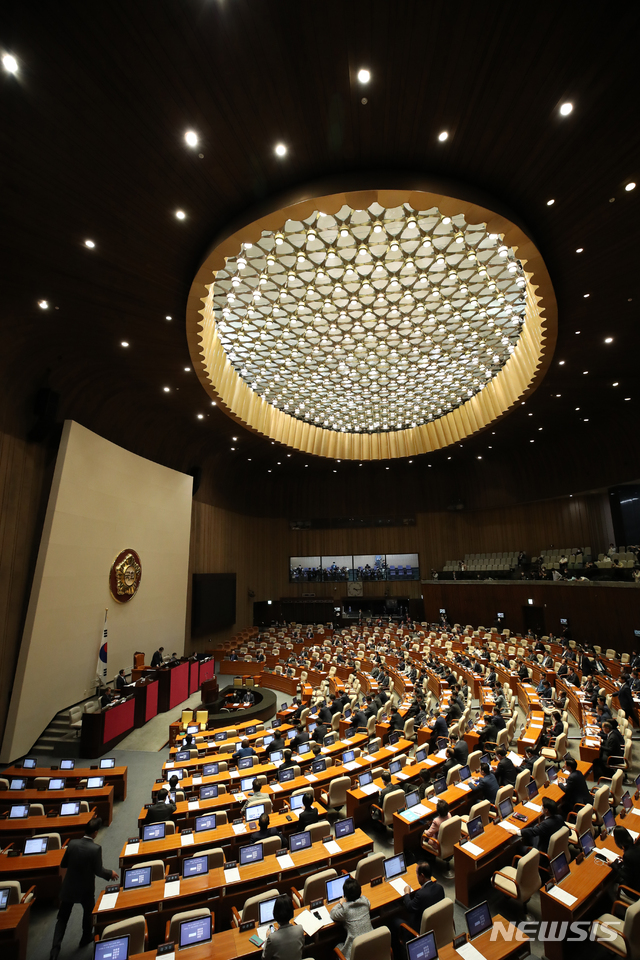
point(210, 770)
point(220, 735)
point(208, 822)
point(67, 764)
point(560, 867)
point(394, 737)
point(183, 755)
point(532, 789)
point(287, 774)
point(244, 763)
point(348, 756)
point(137, 877)
point(56, 783)
point(587, 843)
point(194, 866)
point(365, 779)
point(464, 773)
point(209, 791)
point(35, 845)
point(266, 740)
point(299, 841)
point(335, 888)
point(344, 828)
point(394, 866)
point(423, 948)
point(107, 763)
point(411, 799)
point(250, 730)
point(442, 743)
point(395, 766)
point(627, 802)
point(246, 784)
point(193, 932)
point(283, 705)
point(275, 757)
point(253, 853)
point(478, 920)
point(329, 740)
point(296, 801)
point(475, 828)
point(95, 783)
point(304, 748)
point(311, 727)
point(319, 766)
point(19, 811)
point(193, 728)
point(116, 949)
point(254, 811)
point(421, 756)
point(153, 831)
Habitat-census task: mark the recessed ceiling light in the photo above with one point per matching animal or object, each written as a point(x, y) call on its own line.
point(166, 389)
point(530, 414)
point(630, 186)
point(577, 408)
point(566, 109)
point(615, 384)
point(90, 244)
point(608, 339)
point(200, 416)
point(627, 398)
point(192, 138)
point(558, 394)
point(124, 343)
point(531, 441)
point(585, 295)
point(180, 214)
point(540, 428)
point(280, 152)
point(187, 369)
point(43, 304)
point(10, 63)
point(410, 461)
point(364, 76)
point(234, 439)
point(479, 458)
point(213, 403)
point(550, 203)
point(585, 372)
point(577, 332)
point(233, 449)
point(580, 250)
point(335, 471)
point(168, 318)
point(443, 136)
point(561, 363)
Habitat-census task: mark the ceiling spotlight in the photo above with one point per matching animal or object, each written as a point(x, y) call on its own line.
point(608, 340)
point(234, 439)
point(630, 186)
point(580, 250)
point(10, 63)
point(43, 304)
point(550, 203)
point(187, 369)
point(566, 109)
point(201, 416)
point(180, 214)
point(166, 389)
point(364, 76)
point(443, 136)
point(168, 318)
point(90, 244)
point(561, 363)
point(192, 138)
point(213, 403)
point(124, 343)
point(280, 149)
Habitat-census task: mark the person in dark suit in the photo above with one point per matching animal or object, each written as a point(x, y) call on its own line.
point(629, 870)
point(246, 750)
point(106, 698)
point(396, 720)
point(358, 719)
point(488, 734)
point(288, 760)
point(121, 681)
point(488, 783)
point(320, 732)
point(160, 811)
point(575, 787)
point(278, 741)
point(308, 814)
point(264, 830)
point(83, 862)
point(415, 902)
point(612, 746)
point(625, 699)
point(497, 719)
point(301, 737)
point(460, 750)
point(232, 656)
point(156, 660)
point(439, 729)
point(540, 833)
point(325, 713)
point(506, 771)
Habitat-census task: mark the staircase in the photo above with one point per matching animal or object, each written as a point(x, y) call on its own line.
point(59, 739)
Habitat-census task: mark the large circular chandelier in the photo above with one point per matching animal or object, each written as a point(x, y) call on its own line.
point(360, 319)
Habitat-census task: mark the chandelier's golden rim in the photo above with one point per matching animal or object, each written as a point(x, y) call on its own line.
point(519, 377)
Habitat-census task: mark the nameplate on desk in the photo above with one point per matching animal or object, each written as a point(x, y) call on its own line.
point(332, 847)
point(166, 950)
point(472, 848)
point(131, 848)
point(247, 925)
point(186, 839)
point(172, 888)
point(108, 901)
point(559, 894)
point(376, 881)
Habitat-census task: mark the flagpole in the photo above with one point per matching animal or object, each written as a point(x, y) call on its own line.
point(101, 669)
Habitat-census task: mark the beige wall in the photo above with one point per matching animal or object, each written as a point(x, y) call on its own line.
point(103, 500)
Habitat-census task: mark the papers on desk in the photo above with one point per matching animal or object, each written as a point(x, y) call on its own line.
point(509, 827)
point(591, 743)
point(312, 921)
point(235, 774)
point(633, 834)
point(399, 884)
point(516, 760)
point(370, 788)
point(276, 787)
point(345, 743)
point(402, 775)
point(239, 796)
point(332, 847)
point(635, 811)
point(353, 765)
point(193, 805)
point(524, 740)
point(231, 875)
point(607, 854)
point(533, 806)
point(559, 894)
point(442, 754)
point(468, 952)
point(413, 814)
point(429, 805)
point(369, 758)
point(463, 786)
point(169, 765)
point(324, 750)
point(131, 848)
point(186, 839)
point(172, 889)
point(392, 747)
point(311, 778)
point(285, 862)
point(472, 848)
point(196, 781)
point(239, 828)
point(108, 901)
point(430, 763)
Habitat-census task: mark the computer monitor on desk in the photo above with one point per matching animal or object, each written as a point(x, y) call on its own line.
point(153, 831)
point(335, 888)
point(34, 846)
point(423, 948)
point(394, 866)
point(67, 764)
point(29, 763)
point(116, 949)
point(265, 911)
point(137, 877)
point(300, 841)
point(193, 932)
point(478, 920)
point(560, 867)
point(107, 763)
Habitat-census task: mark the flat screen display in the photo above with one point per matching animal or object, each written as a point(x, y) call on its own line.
point(153, 831)
point(195, 931)
point(137, 877)
point(116, 949)
point(210, 770)
point(335, 888)
point(209, 792)
point(344, 828)
point(423, 948)
point(67, 764)
point(300, 841)
point(194, 866)
point(251, 854)
point(394, 866)
point(478, 920)
point(207, 822)
point(35, 845)
point(107, 763)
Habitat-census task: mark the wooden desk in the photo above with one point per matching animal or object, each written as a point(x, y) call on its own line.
point(587, 882)
point(42, 872)
point(116, 775)
point(67, 827)
point(498, 949)
point(14, 931)
point(101, 799)
point(101, 732)
point(215, 891)
point(407, 834)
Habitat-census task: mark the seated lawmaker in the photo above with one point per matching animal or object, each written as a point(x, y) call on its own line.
point(246, 750)
point(160, 811)
point(265, 831)
point(539, 834)
point(308, 814)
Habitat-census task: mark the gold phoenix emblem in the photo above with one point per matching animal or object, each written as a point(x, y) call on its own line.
point(125, 576)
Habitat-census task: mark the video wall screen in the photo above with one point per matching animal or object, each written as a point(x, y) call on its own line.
point(373, 566)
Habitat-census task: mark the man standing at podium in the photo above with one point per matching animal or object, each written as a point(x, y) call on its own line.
point(156, 660)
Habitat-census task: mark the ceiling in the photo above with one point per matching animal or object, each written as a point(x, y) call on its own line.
point(93, 148)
